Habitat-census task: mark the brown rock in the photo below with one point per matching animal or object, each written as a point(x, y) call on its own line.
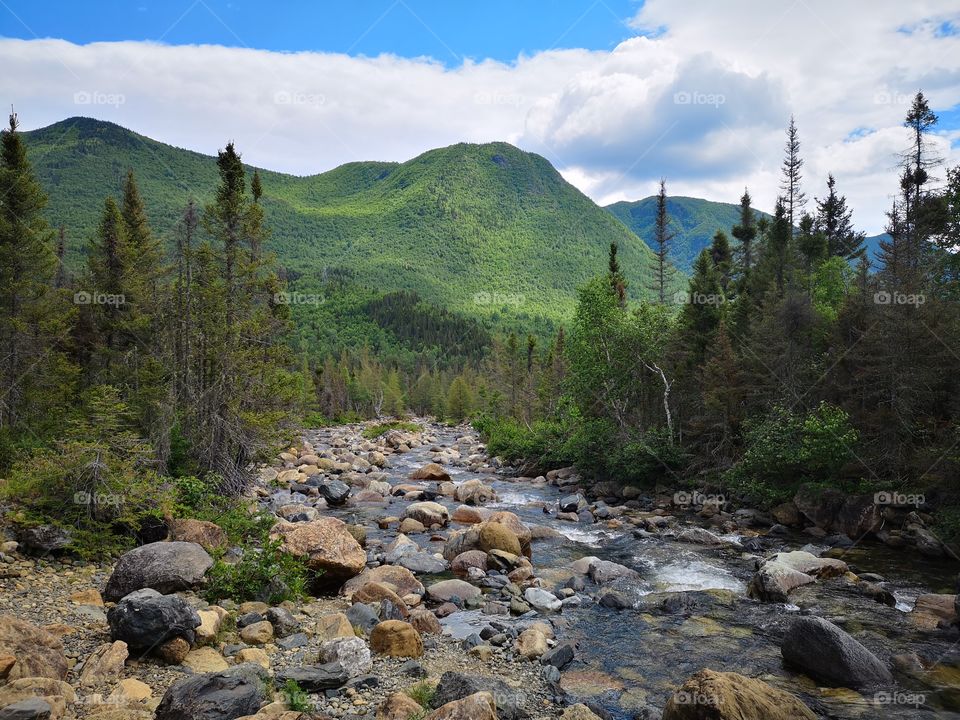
point(579, 712)
point(497, 536)
point(399, 579)
point(131, 690)
point(37, 652)
point(479, 706)
point(469, 515)
point(104, 664)
point(258, 633)
point(204, 660)
point(204, 533)
point(328, 546)
point(431, 471)
point(710, 695)
point(519, 529)
point(409, 525)
point(174, 652)
point(425, 622)
point(427, 513)
point(398, 706)
point(331, 627)
point(375, 592)
point(87, 597)
point(396, 639)
point(531, 644)
point(469, 559)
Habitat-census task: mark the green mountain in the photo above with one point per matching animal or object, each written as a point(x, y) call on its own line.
point(693, 221)
point(485, 230)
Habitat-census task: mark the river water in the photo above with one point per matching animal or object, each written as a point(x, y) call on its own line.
point(629, 659)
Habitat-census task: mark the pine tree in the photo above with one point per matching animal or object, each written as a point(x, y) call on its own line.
point(144, 248)
point(459, 399)
point(33, 320)
point(746, 232)
point(834, 222)
point(794, 198)
point(662, 238)
point(722, 257)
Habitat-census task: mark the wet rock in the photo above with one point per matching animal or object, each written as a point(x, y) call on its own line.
point(560, 656)
point(604, 571)
point(824, 651)
point(570, 503)
point(223, 695)
point(711, 695)
point(430, 471)
point(35, 652)
point(328, 545)
point(475, 492)
point(447, 590)
point(700, 536)
point(469, 559)
point(427, 513)
point(396, 639)
point(162, 566)
point(335, 492)
point(930, 610)
point(498, 536)
point(145, 619)
point(784, 572)
point(542, 600)
point(614, 600)
point(423, 564)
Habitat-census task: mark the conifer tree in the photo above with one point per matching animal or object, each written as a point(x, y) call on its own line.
point(794, 197)
point(617, 280)
point(834, 222)
point(662, 238)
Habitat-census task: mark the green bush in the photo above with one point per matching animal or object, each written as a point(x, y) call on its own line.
point(97, 482)
point(542, 443)
point(423, 693)
point(374, 431)
point(264, 573)
point(785, 450)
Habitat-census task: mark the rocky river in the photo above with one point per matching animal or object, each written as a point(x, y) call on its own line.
point(557, 602)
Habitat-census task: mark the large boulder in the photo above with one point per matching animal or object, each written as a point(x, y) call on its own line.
point(328, 546)
point(162, 566)
point(35, 652)
point(352, 654)
point(822, 650)
point(783, 572)
point(145, 620)
point(497, 536)
point(315, 678)
point(518, 528)
point(224, 695)
point(457, 686)
point(475, 492)
point(835, 511)
point(711, 695)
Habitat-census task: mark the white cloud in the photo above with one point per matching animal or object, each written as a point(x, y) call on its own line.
point(703, 103)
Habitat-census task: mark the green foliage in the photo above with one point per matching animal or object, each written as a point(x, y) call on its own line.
point(454, 224)
point(295, 697)
point(264, 572)
point(786, 449)
point(543, 443)
point(423, 693)
point(372, 432)
point(97, 481)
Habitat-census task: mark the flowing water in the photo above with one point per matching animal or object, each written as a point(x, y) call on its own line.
point(629, 658)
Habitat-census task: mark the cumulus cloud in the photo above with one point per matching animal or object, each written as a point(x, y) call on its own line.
point(703, 100)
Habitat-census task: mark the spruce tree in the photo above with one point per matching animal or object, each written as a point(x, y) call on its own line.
point(617, 280)
point(794, 197)
point(662, 238)
point(834, 222)
point(722, 257)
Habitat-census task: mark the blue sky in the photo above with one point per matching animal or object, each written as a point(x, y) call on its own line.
point(446, 30)
point(614, 93)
